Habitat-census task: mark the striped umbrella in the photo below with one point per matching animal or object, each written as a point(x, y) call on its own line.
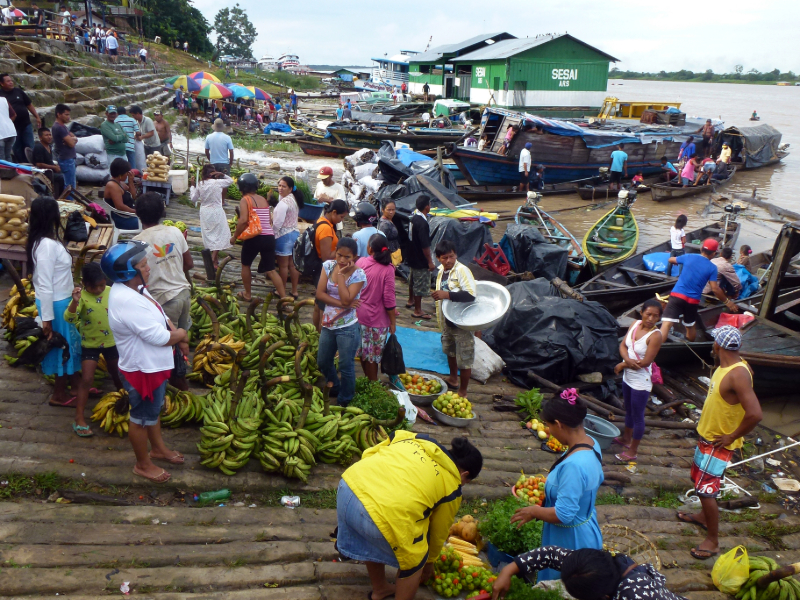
point(214, 91)
point(240, 91)
point(204, 75)
point(259, 93)
point(189, 84)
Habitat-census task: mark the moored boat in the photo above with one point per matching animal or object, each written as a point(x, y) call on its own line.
point(316, 148)
point(751, 147)
point(603, 191)
point(482, 193)
point(614, 237)
point(417, 139)
point(667, 191)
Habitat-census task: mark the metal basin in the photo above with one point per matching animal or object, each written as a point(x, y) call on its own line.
point(424, 400)
point(491, 303)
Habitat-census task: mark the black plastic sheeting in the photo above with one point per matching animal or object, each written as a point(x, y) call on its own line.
point(468, 237)
point(405, 196)
point(393, 170)
point(528, 250)
point(554, 337)
point(753, 146)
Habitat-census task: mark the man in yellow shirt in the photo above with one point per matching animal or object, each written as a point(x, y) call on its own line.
point(730, 412)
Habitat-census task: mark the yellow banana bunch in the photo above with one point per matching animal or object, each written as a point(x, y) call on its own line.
point(181, 407)
point(104, 413)
point(14, 307)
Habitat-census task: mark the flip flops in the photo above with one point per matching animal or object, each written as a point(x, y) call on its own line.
point(619, 442)
point(701, 554)
point(162, 477)
point(624, 457)
point(83, 431)
point(68, 404)
point(684, 518)
point(424, 316)
point(241, 296)
point(176, 459)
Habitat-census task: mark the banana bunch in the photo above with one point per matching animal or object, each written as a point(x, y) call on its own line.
point(787, 588)
point(216, 436)
point(181, 407)
point(223, 318)
point(214, 363)
point(105, 413)
point(15, 307)
point(20, 346)
point(233, 192)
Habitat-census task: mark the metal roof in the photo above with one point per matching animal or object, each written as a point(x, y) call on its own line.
point(512, 47)
point(437, 53)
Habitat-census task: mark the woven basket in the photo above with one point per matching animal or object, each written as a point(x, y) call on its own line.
point(618, 538)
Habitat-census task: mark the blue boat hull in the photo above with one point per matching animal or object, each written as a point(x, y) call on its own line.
point(487, 168)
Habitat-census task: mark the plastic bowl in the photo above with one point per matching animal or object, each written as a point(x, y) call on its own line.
point(452, 421)
point(601, 430)
point(491, 303)
point(428, 399)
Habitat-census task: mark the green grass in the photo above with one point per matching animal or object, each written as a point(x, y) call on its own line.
point(26, 485)
point(772, 533)
point(666, 499)
point(258, 144)
point(474, 506)
point(610, 498)
point(323, 499)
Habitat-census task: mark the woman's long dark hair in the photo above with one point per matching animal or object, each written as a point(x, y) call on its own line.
point(380, 249)
point(44, 221)
point(590, 574)
point(299, 197)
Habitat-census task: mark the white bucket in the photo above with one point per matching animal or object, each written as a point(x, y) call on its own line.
point(179, 180)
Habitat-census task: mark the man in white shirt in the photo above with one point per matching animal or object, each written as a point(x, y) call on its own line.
point(525, 167)
point(113, 46)
point(327, 189)
point(8, 14)
point(8, 134)
point(185, 46)
point(143, 54)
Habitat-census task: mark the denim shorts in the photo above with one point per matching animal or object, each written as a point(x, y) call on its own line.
point(145, 413)
point(359, 538)
point(285, 244)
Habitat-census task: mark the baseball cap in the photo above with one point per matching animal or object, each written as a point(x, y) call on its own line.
point(325, 172)
point(156, 112)
point(727, 337)
point(111, 108)
point(710, 245)
point(528, 146)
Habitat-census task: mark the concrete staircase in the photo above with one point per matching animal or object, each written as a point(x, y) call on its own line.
point(87, 87)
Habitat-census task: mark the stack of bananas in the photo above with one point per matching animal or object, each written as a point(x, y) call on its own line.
point(787, 588)
point(181, 407)
point(216, 434)
point(15, 307)
point(105, 413)
point(20, 346)
point(213, 363)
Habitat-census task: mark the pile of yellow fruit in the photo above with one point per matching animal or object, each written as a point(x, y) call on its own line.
point(555, 445)
point(453, 405)
point(539, 428)
point(418, 385)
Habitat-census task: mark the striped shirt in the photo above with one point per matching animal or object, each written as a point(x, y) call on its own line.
point(263, 217)
point(130, 126)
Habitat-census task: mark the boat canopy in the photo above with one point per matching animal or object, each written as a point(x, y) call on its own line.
point(600, 136)
point(444, 108)
point(757, 145)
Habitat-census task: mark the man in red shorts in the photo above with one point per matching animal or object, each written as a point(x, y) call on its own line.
point(730, 412)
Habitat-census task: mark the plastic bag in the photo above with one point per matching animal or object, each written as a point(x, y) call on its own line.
point(76, 228)
point(392, 357)
point(486, 362)
point(405, 401)
point(731, 570)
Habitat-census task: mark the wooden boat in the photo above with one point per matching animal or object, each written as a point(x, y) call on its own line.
point(613, 238)
point(417, 139)
point(667, 191)
point(556, 233)
point(603, 191)
point(315, 148)
point(629, 282)
point(483, 193)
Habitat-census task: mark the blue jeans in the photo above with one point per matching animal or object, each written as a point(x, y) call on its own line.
point(145, 413)
point(359, 538)
point(131, 154)
point(346, 340)
point(7, 149)
point(24, 140)
point(68, 171)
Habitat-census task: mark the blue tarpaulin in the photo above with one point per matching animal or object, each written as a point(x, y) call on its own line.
point(423, 350)
point(748, 280)
point(656, 261)
point(406, 156)
point(281, 127)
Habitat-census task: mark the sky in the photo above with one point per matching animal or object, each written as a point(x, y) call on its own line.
point(645, 36)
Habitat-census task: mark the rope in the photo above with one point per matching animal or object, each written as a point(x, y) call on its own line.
point(710, 367)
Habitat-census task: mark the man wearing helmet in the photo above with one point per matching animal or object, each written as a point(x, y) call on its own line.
point(366, 217)
point(145, 338)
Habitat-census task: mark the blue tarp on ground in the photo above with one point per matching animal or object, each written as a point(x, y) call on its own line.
point(422, 350)
point(406, 156)
point(281, 127)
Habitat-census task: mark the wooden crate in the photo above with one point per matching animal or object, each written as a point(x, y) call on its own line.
point(100, 236)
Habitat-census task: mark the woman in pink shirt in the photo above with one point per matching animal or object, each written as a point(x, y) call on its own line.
point(376, 314)
point(687, 175)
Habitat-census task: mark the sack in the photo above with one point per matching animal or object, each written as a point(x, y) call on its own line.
point(392, 357)
point(92, 144)
point(731, 570)
point(397, 257)
point(253, 222)
point(486, 362)
point(96, 160)
point(304, 254)
point(75, 230)
point(86, 174)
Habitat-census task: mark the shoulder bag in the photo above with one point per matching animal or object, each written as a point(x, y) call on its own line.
point(253, 222)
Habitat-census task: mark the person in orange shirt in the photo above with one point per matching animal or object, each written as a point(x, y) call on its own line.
point(325, 241)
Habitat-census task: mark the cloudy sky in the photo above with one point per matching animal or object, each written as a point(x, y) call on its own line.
point(645, 36)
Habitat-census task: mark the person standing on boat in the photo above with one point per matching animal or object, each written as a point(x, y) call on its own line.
point(688, 172)
point(619, 164)
point(707, 131)
point(688, 149)
point(697, 271)
point(677, 238)
point(524, 167)
point(730, 412)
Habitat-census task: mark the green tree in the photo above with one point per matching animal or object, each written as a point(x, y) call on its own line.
point(235, 32)
point(177, 21)
point(708, 75)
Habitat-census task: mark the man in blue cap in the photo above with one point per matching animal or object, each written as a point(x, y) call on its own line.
point(525, 167)
point(730, 412)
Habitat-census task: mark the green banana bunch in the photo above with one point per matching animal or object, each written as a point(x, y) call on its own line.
point(787, 588)
point(181, 407)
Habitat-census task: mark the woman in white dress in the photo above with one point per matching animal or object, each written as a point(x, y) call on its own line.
point(213, 220)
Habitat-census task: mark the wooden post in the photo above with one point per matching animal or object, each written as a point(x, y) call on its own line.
point(787, 246)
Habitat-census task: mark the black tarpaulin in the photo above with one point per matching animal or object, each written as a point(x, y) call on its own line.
point(554, 337)
point(528, 250)
point(753, 146)
point(405, 195)
point(393, 169)
point(468, 237)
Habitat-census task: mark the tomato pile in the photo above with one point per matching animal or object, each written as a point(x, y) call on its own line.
point(555, 445)
point(418, 385)
point(531, 489)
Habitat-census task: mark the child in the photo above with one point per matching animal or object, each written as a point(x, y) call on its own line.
point(670, 172)
point(677, 236)
point(366, 217)
point(744, 255)
point(638, 179)
point(88, 311)
point(455, 283)
point(512, 131)
point(482, 143)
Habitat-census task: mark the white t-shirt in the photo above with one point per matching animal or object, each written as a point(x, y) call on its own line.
point(6, 124)
point(675, 237)
point(525, 160)
point(66, 17)
point(142, 51)
point(638, 379)
point(334, 192)
point(165, 257)
point(481, 144)
point(111, 43)
point(140, 331)
point(52, 275)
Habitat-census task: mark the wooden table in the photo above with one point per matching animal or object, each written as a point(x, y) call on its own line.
point(100, 236)
point(16, 252)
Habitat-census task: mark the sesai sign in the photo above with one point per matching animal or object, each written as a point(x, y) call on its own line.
point(564, 76)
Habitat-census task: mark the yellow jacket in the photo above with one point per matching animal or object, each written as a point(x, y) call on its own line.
point(461, 279)
point(412, 490)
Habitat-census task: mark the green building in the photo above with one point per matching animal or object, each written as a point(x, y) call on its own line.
point(556, 75)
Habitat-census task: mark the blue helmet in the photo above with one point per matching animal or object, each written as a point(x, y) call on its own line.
point(119, 262)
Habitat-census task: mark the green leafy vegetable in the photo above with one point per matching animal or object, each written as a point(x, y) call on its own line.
point(496, 526)
point(374, 399)
point(530, 402)
point(522, 590)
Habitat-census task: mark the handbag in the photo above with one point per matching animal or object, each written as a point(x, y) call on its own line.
point(655, 370)
point(76, 228)
point(253, 222)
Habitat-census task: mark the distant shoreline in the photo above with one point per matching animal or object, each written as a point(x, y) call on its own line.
point(700, 80)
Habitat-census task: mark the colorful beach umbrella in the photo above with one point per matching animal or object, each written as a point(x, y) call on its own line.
point(214, 91)
point(259, 93)
point(189, 84)
point(240, 91)
point(205, 75)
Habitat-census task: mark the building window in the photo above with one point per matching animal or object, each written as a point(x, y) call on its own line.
point(425, 69)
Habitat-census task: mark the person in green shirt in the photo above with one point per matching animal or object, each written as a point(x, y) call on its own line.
point(88, 311)
point(114, 135)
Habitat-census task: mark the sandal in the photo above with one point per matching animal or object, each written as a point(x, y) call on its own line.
point(175, 459)
point(410, 306)
point(424, 316)
point(625, 458)
point(241, 296)
point(83, 431)
point(162, 477)
point(95, 392)
point(68, 404)
point(619, 442)
point(701, 554)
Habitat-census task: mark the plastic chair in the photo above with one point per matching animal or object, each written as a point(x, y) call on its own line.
point(29, 155)
point(117, 231)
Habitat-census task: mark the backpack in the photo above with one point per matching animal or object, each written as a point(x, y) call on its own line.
point(304, 254)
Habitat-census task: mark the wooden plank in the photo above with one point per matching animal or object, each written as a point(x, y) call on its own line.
point(614, 284)
point(651, 274)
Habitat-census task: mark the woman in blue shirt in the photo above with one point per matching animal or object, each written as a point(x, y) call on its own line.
point(569, 515)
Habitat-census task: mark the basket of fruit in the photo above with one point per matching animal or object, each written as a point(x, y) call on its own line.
point(554, 446)
point(530, 489)
point(454, 410)
point(422, 387)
